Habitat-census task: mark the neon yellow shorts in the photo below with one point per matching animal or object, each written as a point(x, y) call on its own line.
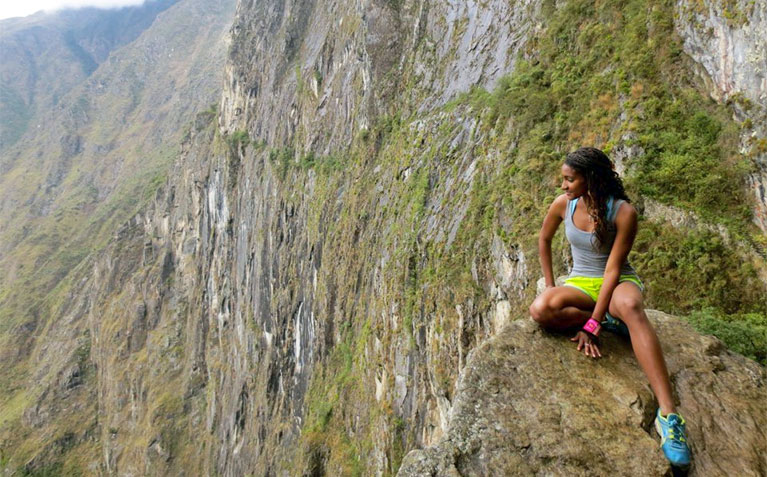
point(591, 286)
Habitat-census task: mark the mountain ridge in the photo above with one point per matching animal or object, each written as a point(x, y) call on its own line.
point(40, 56)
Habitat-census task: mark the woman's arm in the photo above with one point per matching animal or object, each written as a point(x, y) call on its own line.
point(626, 229)
point(551, 222)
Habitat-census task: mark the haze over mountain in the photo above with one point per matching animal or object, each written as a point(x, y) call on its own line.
point(44, 55)
point(30, 7)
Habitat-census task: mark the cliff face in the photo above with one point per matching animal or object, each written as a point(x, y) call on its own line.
point(724, 41)
point(285, 295)
point(303, 294)
point(334, 68)
point(65, 189)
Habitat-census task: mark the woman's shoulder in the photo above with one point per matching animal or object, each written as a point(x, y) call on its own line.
point(559, 205)
point(625, 212)
point(623, 205)
point(560, 200)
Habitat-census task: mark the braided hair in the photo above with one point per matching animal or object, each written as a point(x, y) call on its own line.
point(602, 182)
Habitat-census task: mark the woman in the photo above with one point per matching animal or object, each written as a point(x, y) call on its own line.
point(601, 225)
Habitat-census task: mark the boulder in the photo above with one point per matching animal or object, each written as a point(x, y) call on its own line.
point(528, 403)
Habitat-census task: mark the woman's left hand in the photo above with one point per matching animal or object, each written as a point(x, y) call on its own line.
point(587, 344)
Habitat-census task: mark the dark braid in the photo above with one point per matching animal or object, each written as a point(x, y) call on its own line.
point(602, 182)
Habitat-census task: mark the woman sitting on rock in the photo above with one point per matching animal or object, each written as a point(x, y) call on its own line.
point(603, 291)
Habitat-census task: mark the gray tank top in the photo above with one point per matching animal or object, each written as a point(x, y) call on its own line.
point(587, 260)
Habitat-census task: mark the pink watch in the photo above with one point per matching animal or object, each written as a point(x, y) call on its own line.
point(592, 326)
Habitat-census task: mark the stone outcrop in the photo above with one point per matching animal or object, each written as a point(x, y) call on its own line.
point(527, 403)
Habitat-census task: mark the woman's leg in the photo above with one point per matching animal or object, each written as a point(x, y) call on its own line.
point(560, 308)
point(626, 304)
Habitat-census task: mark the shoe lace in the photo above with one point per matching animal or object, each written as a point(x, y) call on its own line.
point(676, 432)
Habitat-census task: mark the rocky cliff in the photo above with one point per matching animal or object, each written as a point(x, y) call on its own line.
point(336, 271)
point(731, 57)
point(66, 187)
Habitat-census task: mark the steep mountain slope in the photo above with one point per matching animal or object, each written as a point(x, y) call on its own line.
point(95, 160)
point(427, 219)
point(307, 286)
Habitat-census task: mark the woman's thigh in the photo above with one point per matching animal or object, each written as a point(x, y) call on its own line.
point(626, 302)
point(555, 299)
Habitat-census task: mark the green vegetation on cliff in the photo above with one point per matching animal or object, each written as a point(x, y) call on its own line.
point(610, 74)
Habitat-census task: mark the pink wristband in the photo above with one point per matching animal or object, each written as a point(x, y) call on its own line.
point(592, 326)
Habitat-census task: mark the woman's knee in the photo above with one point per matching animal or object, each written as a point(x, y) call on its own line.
point(540, 310)
point(630, 309)
point(629, 305)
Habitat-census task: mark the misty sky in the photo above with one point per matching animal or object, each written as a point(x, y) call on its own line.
point(17, 8)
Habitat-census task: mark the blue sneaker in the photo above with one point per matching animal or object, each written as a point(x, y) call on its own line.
point(673, 439)
point(614, 325)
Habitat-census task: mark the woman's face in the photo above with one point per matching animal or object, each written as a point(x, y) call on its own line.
point(573, 183)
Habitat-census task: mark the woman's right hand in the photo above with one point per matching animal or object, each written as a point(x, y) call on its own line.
point(587, 343)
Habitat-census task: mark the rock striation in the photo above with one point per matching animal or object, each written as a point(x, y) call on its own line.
point(328, 71)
